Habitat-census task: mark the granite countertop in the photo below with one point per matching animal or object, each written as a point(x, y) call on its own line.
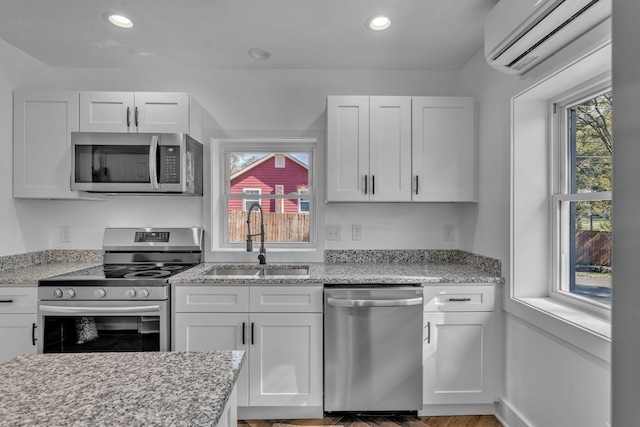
point(125, 389)
point(340, 267)
point(31, 275)
point(345, 273)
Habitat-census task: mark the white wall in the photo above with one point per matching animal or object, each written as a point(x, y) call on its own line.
point(626, 207)
point(547, 381)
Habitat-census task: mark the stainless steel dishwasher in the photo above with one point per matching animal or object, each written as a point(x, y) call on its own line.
point(373, 348)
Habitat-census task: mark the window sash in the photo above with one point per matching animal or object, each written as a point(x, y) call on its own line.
point(563, 195)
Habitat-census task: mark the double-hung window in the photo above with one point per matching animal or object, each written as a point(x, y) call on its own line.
point(581, 194)
point(273, 174)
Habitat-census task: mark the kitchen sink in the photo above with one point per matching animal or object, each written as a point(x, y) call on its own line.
point(258, 272)
point(301, 271)
point(233, 271)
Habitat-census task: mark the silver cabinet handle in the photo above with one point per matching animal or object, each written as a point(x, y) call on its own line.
point(87, 309)
point(417, 183)
point(128, 117)
point(153, 170)
point(6, 301)
point(428, 332)
point(365, 184)
point(336, 302)
point(459, 299)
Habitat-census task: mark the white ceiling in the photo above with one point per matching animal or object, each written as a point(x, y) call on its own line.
point(424, 34)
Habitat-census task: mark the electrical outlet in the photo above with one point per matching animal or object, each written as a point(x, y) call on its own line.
point(448, 230)
point(65, 234)
point(356, 231)
point(333, 232)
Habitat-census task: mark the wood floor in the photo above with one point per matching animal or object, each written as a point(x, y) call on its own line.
point(401, 421)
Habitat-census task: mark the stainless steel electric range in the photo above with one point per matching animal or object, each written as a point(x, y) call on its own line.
point(124, 304)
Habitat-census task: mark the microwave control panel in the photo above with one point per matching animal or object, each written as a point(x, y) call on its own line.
point(169, 164)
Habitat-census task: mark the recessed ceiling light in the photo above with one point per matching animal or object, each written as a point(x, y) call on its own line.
point(118, 20)
point(258, 53)
point(378, 23)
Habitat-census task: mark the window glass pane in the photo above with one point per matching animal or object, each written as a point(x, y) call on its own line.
point(289, 227)
point(592, 144)
point(590, 250)
point(266, 177)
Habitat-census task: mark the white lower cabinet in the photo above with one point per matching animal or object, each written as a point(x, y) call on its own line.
point(280, 328)
point(458, 351)
point(18, 321)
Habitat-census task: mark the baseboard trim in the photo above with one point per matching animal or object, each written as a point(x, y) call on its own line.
point(510, 417)
point(456, 409)
point(279, 412)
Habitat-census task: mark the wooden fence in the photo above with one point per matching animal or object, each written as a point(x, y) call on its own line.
point(593, 248)
point(278, 227)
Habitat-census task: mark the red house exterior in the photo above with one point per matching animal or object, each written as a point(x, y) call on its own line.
point(273, 174)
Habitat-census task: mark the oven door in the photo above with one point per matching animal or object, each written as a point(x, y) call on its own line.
point(103, 326)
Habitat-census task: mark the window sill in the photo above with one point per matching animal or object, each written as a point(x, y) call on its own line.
point(583, 330)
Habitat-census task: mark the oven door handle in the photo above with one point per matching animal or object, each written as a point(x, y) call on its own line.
point(91, 310)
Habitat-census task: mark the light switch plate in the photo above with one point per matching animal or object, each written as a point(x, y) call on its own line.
point(65, 234)
point(333, 232)
point(356, 231)
point(447, 231)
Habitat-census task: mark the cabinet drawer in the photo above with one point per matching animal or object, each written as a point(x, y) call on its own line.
point(211, 299)
point(18, 300)
point(458, 298)
point(286, 299)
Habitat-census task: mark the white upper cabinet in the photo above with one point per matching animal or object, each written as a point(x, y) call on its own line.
point(42, 126)
point(401, 149)
point(369, 148)
point(444, 160)
point(347, 148)
point(144, 112)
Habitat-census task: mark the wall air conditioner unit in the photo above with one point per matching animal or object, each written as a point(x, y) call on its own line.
point(519, 34)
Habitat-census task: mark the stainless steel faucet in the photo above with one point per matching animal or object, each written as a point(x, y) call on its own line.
point(262, 256)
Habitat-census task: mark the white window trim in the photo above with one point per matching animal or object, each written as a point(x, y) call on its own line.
point(278, 145)
point(558, 106)
point(530, 275)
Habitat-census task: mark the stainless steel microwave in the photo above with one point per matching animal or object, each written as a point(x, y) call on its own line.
point(121, 163)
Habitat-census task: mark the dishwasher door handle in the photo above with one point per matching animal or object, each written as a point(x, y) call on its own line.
point(338, 302)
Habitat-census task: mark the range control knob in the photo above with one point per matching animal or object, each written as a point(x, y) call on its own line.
point(71, 293)
point(131, 293)
point(144, 292)
point(101, 293)
point(58, 293)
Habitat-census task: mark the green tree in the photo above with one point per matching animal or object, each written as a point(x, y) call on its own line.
point(593, 158)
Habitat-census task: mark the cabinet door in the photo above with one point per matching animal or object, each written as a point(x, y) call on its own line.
point(444, 149)
point(42, 126)
point(286, 360)
point(107, 112)
point(457, 358)
point(390, 148)
point(215, 331)
point(16, 335)
point(348, 148)
point(162, 112)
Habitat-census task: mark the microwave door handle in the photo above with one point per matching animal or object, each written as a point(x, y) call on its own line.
point(153, 170)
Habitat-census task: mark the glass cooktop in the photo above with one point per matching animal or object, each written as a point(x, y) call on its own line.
point(114, 272)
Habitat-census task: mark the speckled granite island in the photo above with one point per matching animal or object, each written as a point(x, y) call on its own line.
point(118, 389)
